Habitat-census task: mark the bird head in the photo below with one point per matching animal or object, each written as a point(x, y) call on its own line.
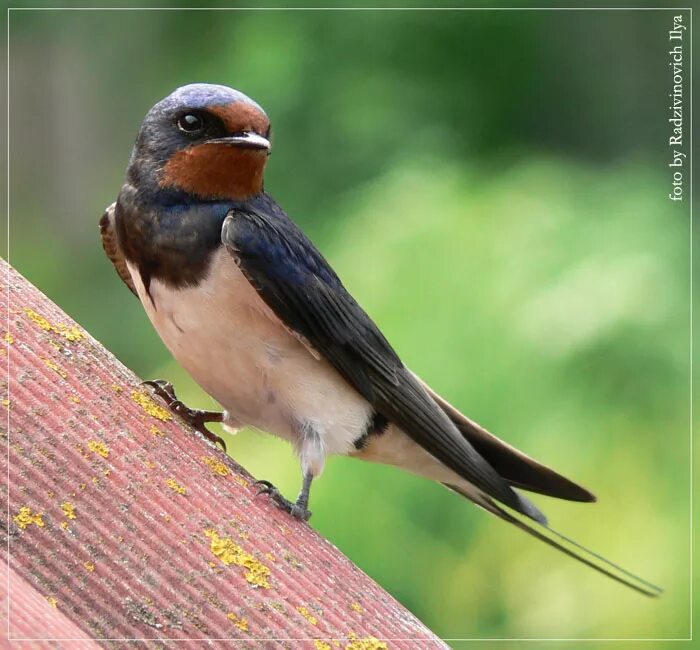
point(207, 141)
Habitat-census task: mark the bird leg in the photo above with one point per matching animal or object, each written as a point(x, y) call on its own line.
point(194, 417)
point(298, 509)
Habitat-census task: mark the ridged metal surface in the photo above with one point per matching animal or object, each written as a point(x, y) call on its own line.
point(28, 606)
point(133, 527)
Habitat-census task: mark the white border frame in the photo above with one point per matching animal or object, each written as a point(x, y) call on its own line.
point(375, 9)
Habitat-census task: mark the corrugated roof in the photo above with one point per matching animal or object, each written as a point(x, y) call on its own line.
point(130, 526)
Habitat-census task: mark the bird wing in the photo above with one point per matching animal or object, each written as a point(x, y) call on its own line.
point(110, 243)
point(512, 464)
point(300, 287)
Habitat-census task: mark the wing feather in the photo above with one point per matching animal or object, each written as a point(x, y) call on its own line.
point(110, 243)
point(519, 469)
point(297, 283)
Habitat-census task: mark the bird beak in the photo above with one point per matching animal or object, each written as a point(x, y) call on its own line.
point(247, 140)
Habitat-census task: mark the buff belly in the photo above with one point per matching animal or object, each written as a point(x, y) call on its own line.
point(242, 355)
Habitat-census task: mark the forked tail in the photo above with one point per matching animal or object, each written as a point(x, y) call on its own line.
point(569, 547)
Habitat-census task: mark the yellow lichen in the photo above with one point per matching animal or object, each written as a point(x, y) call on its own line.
point(56, 368)
point(357, 607)
point(25, 517)
point(69, 333)
point(307, 615)
point(89, 566)
point(9, 339)
point(271, 557)
point(240, 622)
point(368, 643)
point(216, 465)
point(117, 388)
point(6, 403)
point(241, 481)
point(69, 510)
point(229, 553)
point(38, 319)
point(321, 645)
point(156, 431)
point(98, 447)
point(75, 399)
point(148, 405)
point(53, 601)
point(51, 494)
point(176, 487)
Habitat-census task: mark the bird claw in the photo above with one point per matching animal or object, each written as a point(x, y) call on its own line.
point(297, 510)
point(194, 417)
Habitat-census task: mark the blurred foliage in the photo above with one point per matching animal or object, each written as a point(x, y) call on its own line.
point(492, 188)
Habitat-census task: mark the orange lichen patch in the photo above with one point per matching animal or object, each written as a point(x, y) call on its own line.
point(69, 510)
point(9, 339)
point(241, 481)
point(229, 553)
point(357, 607)
point(368, 643)
point(321, 645)
point(53, 601)
point(69, 333)
point(150, 407)
point(304, 611)
point(55, 367)
point(25, 517)
point(216, 465)
point(99, 447)
point(240, 622)
point(175, 486)
point(89, 566)
point(156, 431)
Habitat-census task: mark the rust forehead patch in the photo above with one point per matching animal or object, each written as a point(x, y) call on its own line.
point(240, 116)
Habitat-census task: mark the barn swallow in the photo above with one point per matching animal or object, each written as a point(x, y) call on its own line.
point(255, 314)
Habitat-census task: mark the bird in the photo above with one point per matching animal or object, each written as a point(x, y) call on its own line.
point(255, 314)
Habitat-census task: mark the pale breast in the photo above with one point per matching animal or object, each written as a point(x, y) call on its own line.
point(242, 355)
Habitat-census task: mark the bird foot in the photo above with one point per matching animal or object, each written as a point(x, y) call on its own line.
point(297, 510)
point(194, 417)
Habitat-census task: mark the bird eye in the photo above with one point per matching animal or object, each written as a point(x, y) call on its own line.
point(190, 123)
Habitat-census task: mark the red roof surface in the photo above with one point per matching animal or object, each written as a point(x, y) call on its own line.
point(124, 524)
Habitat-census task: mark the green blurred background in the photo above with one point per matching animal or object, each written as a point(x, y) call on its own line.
point(492, 187)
